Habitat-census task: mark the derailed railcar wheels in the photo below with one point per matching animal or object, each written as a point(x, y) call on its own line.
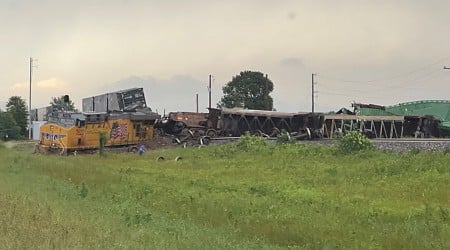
point(211, 133)
point(204, 140)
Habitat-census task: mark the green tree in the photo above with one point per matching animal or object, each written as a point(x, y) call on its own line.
point(248, 90)
point(63, 103)
point(18, 109)
point(8, 127)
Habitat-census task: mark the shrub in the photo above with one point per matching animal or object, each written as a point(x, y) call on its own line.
point(102, 142)
point(83, 191)
point(353, 142)
point(248, 142)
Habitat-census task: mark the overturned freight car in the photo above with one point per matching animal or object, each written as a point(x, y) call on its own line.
point(420, 119)
point(236, 122)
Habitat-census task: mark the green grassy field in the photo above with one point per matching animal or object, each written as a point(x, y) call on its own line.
point(244, 196)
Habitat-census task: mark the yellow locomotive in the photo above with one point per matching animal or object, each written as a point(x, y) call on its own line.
point(67, 132)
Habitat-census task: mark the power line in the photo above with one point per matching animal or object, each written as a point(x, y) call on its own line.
point(386, 78)
point(404, 84)
point(383, 96)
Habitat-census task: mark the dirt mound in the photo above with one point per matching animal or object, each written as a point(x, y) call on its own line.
point(159, 142)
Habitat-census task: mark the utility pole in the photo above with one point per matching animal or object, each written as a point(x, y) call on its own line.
point(266, 93)
point(312, 92)
point(29, 100)
point(209, 91)
point(196, 102)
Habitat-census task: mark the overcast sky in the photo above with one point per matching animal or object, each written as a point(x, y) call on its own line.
point(382, 52)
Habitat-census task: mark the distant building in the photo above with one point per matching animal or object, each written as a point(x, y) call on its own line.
point(38, 118)
point(40, 114)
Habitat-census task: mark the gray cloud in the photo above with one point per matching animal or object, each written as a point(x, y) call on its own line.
point(293, 62)
point(177, 93)
point(88, 44)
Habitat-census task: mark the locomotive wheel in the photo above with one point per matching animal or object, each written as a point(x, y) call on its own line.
point(133, 150)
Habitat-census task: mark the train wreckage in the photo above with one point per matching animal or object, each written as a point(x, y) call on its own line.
point(114, 120)
point(124, 120)
point(236, 122)
point(422, 119)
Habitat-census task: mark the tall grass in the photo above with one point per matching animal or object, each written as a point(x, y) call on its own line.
point(246, 195)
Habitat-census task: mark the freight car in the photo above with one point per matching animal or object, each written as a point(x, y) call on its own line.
point(420, 119)
point(177, 122)
point(235, 122)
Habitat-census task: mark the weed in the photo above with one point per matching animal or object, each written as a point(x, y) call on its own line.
point(102, 141)
point(83, 191)
point(249, 142)
point(353, 142)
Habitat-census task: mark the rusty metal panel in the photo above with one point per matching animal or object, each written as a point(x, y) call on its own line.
point(191, 119)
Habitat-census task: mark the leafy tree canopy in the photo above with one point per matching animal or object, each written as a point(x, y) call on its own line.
point(18, 109)
point(8, 127)
point(63, 103)
point(248, 90)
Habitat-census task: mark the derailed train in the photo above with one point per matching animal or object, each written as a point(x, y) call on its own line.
point(125, 120)
point(423, 119)
point(235, 122)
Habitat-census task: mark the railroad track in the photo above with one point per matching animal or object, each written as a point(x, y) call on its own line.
point(411, 140)
point(397, 145)
point(228, 138)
